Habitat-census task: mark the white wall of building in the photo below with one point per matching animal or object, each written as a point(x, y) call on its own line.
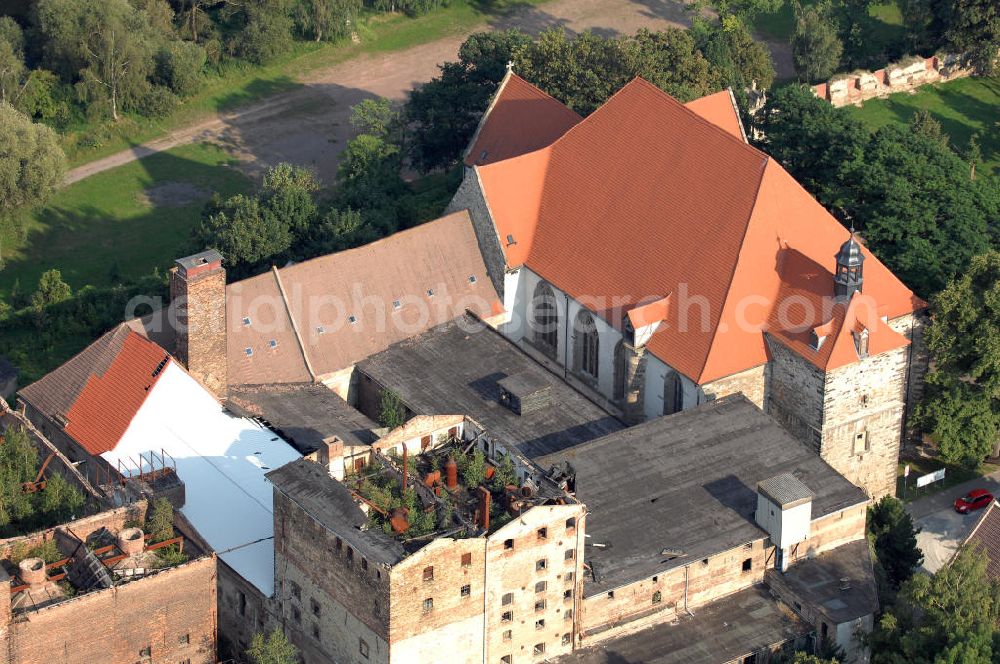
point(520, 289)
point(221, 459)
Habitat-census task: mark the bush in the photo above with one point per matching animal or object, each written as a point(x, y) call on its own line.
point(155, 102)
point(178, 67)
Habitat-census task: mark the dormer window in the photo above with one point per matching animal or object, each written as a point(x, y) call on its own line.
point(861, 343)
point(815, 340)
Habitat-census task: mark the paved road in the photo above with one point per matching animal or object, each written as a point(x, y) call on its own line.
point(309, 126)
point(944, 529)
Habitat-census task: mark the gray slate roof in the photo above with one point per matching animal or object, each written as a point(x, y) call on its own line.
point(303, 413)
point(325, 499)
point(687, 482)
point(451, 370)
point(722, 631)
point(785, 490)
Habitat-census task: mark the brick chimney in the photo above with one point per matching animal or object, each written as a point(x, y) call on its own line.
point(198, 296)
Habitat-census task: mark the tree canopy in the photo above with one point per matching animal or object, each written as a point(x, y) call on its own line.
point(961, 405)
point(948, 618)
point(894, 541)
point(816, 46)
point(273, 648)
point(908, 192)
point(31, 162)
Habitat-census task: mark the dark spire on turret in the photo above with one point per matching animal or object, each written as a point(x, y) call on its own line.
point(849, 277)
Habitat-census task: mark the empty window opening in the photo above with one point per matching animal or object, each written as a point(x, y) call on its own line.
point(543, 533)
point(428, 604)
point(429, 573)
point(540, 587)
point(747, 565)
point(657, 597)
point(508, 598)
point(570, 523)
point(466, 590)
point(540, 623)
point(508, 544)
point(541, 564)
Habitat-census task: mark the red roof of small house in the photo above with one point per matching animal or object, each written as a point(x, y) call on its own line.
point(520, 119)
point(649, 313)
point(110, 400)
point(653, 198)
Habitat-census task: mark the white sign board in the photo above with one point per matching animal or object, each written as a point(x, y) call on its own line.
point(936, 476)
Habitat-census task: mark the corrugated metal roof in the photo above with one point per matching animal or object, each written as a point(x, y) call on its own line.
point(785, 490)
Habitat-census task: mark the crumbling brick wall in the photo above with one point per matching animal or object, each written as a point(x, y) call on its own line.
point(172, 613)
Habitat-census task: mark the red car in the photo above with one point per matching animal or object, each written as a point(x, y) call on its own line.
point(976, 500)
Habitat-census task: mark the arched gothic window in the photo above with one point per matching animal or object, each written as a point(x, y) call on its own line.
point(588, 344)
point(545, 318)
point(620, 372)
point(673, 394)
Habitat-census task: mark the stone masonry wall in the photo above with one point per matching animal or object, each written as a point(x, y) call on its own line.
point(867, 396)
point(171, 612)
point(905, 75)
point(333, 602)
point(913, 327)
point(470, 197)
point(831, 531)
point(795, 394)
point(752, 383)
point(243, 612)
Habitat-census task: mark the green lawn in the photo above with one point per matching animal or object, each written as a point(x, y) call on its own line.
point(121, 222)
point(240, 84)
point(963, 107)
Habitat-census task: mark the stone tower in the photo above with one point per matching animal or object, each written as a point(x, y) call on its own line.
point(198, 297)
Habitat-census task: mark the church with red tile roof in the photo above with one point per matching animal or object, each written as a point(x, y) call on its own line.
point(660, 260)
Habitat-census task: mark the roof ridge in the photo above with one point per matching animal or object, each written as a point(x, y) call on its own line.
point(736, 263)
point(291, 318)
point(489, 109)
point(744, 145)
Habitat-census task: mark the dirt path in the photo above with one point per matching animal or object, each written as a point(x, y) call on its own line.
point(309, 126)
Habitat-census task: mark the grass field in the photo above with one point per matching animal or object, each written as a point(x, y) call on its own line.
point(122, 222)
point(240, 84)
point(963, 107)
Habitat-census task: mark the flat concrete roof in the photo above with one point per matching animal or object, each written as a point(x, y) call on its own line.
point(722, 631)
point(686, 482)
point(457, 367)
point(841, 582)
point(304, 414)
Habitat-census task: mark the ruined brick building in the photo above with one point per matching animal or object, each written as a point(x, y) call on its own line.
point(591, 277)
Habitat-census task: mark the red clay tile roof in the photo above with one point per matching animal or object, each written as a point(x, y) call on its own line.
point(987, 533)
point(653, 198)
point(110, 400)
point(434, 271)
point(649, 313)
point(720, 110)
point(521, 118)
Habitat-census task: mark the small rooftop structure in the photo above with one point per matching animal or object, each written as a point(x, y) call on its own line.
point(724, 631)
point(785, 490)
point(685, 484)
point(464, 367)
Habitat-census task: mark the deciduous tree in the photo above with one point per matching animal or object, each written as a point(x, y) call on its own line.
point(274, 648)
point(31, 162)
point(816, 46)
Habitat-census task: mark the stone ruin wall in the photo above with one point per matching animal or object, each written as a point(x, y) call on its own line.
point(907, 74)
